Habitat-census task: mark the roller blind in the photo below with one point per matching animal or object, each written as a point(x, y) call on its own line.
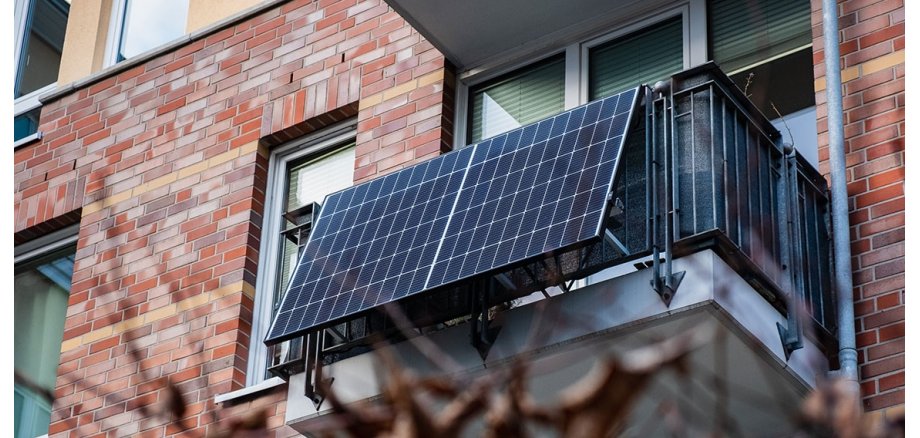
point(644, 56)
point(743, 33)
point(525, 96)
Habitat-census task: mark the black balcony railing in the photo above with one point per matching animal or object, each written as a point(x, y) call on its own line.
point(712, 171)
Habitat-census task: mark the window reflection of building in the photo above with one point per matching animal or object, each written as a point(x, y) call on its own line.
point(40, 27)
point(41, 289)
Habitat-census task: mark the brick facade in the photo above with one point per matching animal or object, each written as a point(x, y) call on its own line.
point(164, 167)
point(872, 51)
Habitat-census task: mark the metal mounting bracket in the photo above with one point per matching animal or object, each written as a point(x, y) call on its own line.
point(314, 384)
point(666, 285)
point(482, 336)
point(790, 338)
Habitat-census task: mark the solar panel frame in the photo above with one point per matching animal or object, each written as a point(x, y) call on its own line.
point(423, 254)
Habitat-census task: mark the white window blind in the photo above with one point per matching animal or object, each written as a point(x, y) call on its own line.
point(522, 97)
point(743, 33)
point(312, 180)
point(645, 56)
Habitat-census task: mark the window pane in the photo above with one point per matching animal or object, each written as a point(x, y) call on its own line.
point(311, 180)
point(40, 59)
point(645, 56)
point(149, 24)
point(40, 290)
point(748, 32)
point(766, 45)
point(26, 124)
point(523, 97)
point(781, 86)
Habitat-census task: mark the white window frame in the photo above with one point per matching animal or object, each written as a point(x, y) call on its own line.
point(21, 17)
point(116, 33)
point(116, 27)
point(695, 40)
point(266, 281)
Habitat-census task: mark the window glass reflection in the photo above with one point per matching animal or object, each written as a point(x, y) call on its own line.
point(148, 24)
point(41, 289)
point(40, 58)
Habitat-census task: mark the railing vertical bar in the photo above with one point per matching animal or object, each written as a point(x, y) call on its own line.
point(671, 223)
point(725, 175)
point(649, 163)
point(755, 167)
point(712, 156)
point(694, 184)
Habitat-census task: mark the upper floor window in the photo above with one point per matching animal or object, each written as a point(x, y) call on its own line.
point(41, 288)
point(141, 25)
point(300, 177)
point(765, 46)
point(516, 99)
point(40, 40)
point(39, 33)
point(646, 55)
point(646, 52)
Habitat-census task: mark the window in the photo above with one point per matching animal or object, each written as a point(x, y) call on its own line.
point(141, 25)
point(41, 288)
point(42, 40)
point(40, 27)
point(643, 51)
point(300, 177)
point(765, 47)
point(26, 124)
point(514, 100)
point(647, 55)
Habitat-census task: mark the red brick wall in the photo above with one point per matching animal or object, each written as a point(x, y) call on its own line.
point(872, 58)
point(164, 166)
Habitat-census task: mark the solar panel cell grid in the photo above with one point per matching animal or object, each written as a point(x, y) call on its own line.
point(509, 198)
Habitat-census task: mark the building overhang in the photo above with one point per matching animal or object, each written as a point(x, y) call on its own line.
point(478, 33)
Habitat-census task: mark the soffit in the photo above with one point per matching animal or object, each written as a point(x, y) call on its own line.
point(476, 33)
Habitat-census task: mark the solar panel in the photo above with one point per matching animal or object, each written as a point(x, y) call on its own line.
point(538, 189)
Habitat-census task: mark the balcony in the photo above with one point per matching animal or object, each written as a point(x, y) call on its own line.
point(713, 222)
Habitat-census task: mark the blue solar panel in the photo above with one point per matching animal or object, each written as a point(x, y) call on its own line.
point(538, 189)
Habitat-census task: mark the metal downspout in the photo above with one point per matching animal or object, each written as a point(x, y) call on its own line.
point(843, 277)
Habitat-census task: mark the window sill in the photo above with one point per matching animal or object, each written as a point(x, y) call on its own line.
point(250, 391)
point(27, 140)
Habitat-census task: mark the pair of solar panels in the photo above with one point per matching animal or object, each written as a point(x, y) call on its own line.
point(538, 189)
